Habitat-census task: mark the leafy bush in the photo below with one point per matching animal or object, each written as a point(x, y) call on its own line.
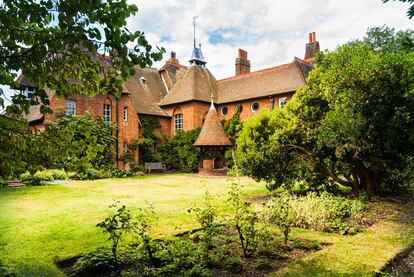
point(3, 183)
point(245, 220)
point(142, 223)
point(95, 262)
point(59, 174)
point(179, 152)
point(116, 225)
point(283, 215)
point(325, 212)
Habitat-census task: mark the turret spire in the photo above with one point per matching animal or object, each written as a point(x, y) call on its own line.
point(197, 57)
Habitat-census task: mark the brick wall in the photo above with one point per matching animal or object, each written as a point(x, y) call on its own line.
point(247, 112)
point(193, 115)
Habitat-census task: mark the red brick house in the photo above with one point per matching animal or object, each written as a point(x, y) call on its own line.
point(180, 95)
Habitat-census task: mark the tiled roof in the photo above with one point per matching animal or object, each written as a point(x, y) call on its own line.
point(212, 132)
point(276, 80)
point(145, 97)
point(197, 83)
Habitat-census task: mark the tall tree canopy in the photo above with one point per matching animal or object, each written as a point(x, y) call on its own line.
point(55, 44)
point(351, 123)
point(385, 39)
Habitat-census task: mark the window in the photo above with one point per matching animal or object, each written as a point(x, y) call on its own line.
point(107, 112)
point(178, 122)
point(143, 81)
point(70, 107)
point(28, 92)
point(282, 102)
point(125, 149)
point(224, 110)
point(255, 107)
point(125, 114)
point(239, 107)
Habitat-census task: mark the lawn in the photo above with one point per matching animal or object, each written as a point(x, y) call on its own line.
point(41, 224)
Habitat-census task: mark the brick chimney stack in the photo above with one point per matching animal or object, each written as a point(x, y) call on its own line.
point(173, 58)
point(242, 63)
point(312, 47)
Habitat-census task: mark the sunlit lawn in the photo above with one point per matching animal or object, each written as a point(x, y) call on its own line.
point(41, 224)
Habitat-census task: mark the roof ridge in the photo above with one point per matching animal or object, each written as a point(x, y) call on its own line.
point(269, 69)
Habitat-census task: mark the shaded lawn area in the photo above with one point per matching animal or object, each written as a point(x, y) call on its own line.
point(41, 224)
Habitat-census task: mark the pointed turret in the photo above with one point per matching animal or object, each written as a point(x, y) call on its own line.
point(197, 57)
point(212, 132)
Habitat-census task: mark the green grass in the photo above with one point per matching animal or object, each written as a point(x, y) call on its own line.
point(41, 224)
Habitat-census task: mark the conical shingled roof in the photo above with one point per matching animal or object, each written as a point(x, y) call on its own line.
point(212, 133)
point(196, 84)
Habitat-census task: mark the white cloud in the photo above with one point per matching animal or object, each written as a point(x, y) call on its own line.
point(273, 31)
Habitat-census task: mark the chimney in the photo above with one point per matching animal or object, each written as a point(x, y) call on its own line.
point(173, 58)
point(312, 47)
point(242, 63)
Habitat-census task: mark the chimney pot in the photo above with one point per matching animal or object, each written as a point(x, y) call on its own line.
point(310, 37)
point(242, 63)
point(173, 55)
point(312, 48)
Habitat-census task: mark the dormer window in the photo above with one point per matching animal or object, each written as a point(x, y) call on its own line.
point(143, 81)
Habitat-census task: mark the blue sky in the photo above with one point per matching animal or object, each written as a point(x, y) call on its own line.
point(272, 31)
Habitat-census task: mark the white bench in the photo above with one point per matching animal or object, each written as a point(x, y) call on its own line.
point(154, 166)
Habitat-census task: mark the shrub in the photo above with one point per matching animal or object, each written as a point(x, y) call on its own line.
point(282, 214)
point(59, 174)
point(324, 212)
point(116, 225)
point(3, 184)
point(244, 219)
point(94, 262)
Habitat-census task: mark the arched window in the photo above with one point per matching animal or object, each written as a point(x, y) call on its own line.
point(178, 122)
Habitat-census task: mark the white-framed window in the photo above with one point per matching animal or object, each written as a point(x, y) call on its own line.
point(29, 92)
point(255, 106)
point(107, 112)
point(282, 102)
point(70, 107)
point(178, 122)
point(224, 111)
point(125, 114)
point(143, 81)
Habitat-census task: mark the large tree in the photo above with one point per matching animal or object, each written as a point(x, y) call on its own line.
point(64, 45)
point(349, 125)
point(410, 11)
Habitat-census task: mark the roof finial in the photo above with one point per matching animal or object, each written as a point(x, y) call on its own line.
point(194, 27)
point(212, 102)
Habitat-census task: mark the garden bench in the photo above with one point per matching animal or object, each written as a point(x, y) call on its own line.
point(154, 166)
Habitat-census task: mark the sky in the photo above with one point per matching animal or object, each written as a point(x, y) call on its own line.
point(272, 31)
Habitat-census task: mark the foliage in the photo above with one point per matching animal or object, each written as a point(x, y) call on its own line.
point(3, 183)
point(143, 222)
point(43, 175)
point(282, 214)
point(73, 143)
point(385, 39)
point(94, 262)
point(410, 12)
point(244, 219)
point(206, 216)
point(55, 42)
point(324, 212)
point(116, 225)
point(349, 125)
point(232, 127)
point(148, 142)
point(178, 152)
